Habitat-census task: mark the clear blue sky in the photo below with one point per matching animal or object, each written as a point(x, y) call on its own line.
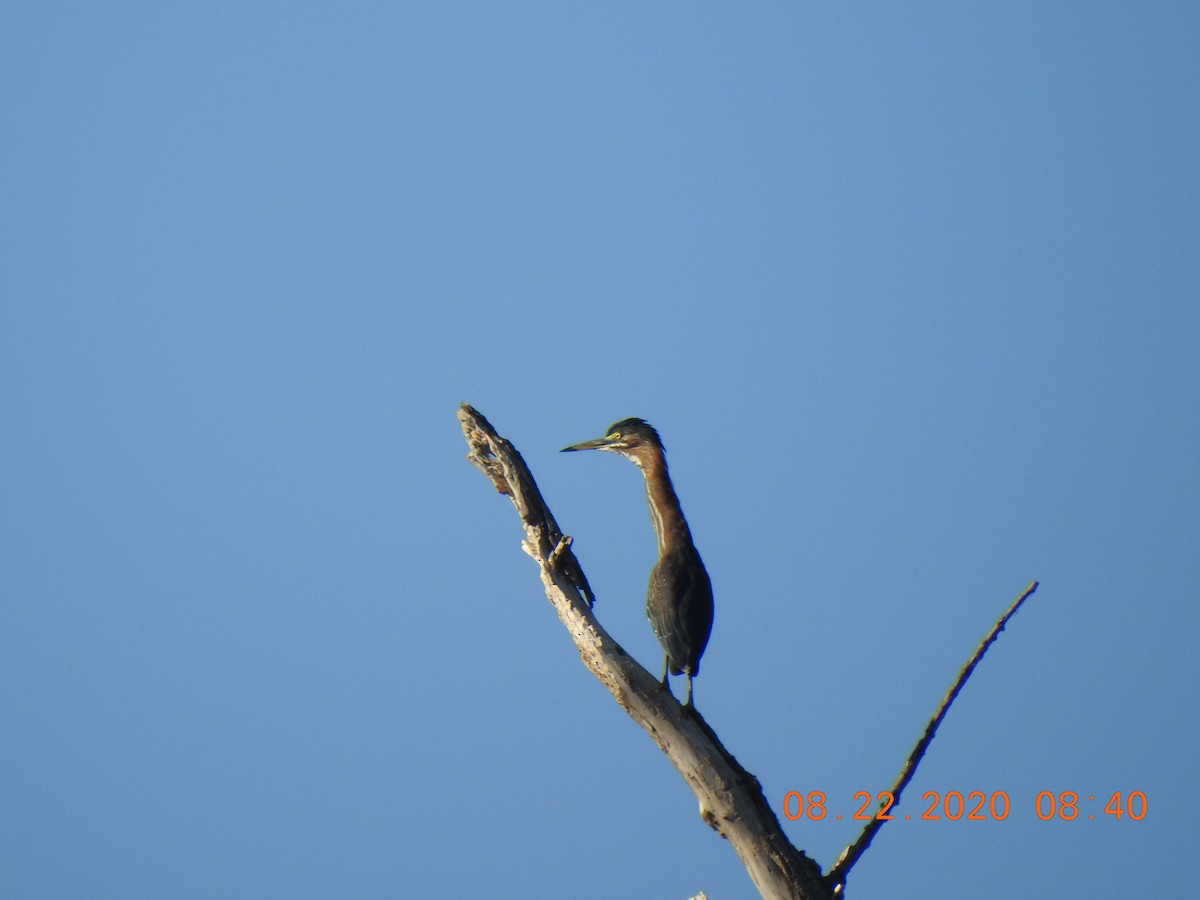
point(912, 294)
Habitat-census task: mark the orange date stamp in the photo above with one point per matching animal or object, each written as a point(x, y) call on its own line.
point(974, 806)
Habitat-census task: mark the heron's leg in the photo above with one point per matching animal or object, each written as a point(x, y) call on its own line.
point(666, 669)
point(689, 699)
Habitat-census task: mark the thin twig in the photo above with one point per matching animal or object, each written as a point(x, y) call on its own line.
point(837, 875)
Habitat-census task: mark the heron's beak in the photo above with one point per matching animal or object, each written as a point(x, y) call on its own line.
point(603, 443)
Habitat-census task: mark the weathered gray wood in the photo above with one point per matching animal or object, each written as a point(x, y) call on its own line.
point(731, 799)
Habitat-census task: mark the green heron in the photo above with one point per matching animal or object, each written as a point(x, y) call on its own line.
point(679, 601)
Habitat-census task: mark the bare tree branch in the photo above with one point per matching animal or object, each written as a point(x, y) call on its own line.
point(837, 875)
point(731, 799)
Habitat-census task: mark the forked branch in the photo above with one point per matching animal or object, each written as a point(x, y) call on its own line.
point(731, 799)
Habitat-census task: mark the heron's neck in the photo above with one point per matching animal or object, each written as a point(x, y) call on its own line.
point(669, 523)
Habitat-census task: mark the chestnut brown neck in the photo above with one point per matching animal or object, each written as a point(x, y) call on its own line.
point(665, 511)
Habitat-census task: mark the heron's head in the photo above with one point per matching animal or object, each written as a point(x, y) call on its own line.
point(635, 439)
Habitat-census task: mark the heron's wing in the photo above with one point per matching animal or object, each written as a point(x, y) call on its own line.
point(680, 609)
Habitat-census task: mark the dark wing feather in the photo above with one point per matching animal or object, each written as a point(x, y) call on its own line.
point(679, 605)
